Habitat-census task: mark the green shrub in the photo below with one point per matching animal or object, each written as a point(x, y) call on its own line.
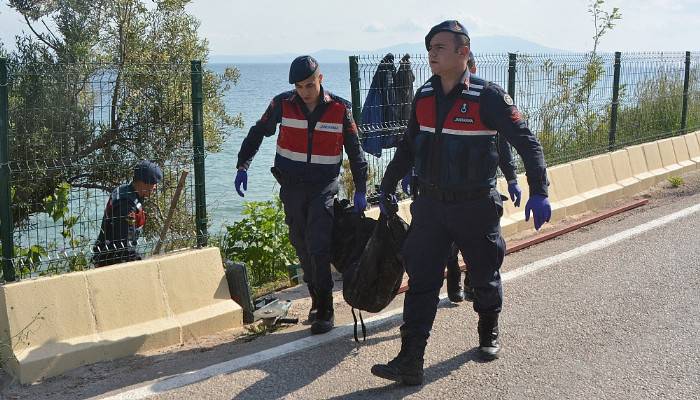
point(260, 241)
point(675, 181)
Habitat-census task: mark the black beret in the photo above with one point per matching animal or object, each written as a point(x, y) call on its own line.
point(302, 67)
point(148, 172)
point(445, 26)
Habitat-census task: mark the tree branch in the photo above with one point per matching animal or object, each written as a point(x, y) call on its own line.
point(50, 32)
point(39, 35)
point(94, 186)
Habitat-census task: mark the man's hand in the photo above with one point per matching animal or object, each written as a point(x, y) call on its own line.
point(241, 179)
point(388, 205)
point(360, 201)
point(541, 210)
point(515, 193)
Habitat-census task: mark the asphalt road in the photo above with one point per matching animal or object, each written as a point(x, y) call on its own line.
point(620, 321)
point(610, 311)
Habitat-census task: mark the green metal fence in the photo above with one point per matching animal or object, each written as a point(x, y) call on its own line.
point(71, 133)
point(578, 105)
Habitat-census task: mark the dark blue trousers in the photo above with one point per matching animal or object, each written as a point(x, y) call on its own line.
point(309, 214)
point(474, 226)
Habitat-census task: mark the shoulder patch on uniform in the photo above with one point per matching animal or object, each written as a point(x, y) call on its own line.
point(515, 115)
point(507, 99)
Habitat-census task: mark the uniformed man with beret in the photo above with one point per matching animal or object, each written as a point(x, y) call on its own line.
point(451, 141)
point(315, 127)
point(507, 165)
point(124, 217)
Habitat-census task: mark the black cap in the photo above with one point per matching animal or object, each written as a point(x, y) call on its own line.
point(148, 172)
point(302, 67)
point(445, 26)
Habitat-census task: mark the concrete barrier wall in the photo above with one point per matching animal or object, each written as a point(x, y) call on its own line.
point(624, 176)
point(693, 145)
point(590, 184)
point(54, 324)
point(681, 150)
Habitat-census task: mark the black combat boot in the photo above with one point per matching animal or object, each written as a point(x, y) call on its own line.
point(468, 290)
point(489, 346)
point(325, 315)
point(407, 367)
point(454, 286)
point(468, 294)
point(314, 304)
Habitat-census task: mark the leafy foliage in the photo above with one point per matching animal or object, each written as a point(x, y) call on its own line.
point(97, 85)
point(574, 118)
point(56, 207)
point(102, 84)
point(676, 181)
point(260, 241)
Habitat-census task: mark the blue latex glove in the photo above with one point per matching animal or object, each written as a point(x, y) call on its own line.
point(388, 205)
point(360, 201)
point(406, 184)
point(515, 193)
point(241, 179)
point(541, 210)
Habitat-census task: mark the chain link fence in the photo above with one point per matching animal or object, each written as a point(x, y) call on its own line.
point(578, 105)
point(71, 135)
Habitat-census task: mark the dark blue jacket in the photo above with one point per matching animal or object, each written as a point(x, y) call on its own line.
point(122, 225)
point(452, 139)
point(308, 148)
point(381, 119)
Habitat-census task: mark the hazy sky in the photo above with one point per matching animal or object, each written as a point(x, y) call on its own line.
point(298, 26)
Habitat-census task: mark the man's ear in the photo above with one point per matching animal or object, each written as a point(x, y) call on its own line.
point(320, 78)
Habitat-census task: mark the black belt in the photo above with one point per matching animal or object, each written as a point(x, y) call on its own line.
point(286, 179)
point(452, 196)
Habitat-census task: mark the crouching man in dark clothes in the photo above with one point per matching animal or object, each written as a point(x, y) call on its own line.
point(124, 217)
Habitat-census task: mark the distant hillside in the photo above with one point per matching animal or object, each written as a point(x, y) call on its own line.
point(483, 44)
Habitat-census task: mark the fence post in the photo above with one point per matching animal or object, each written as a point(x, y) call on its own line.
point(512, 60)
point(198, 147)
point(615, 102)
point(8, 246)
point(355, 88)
point(686, 84)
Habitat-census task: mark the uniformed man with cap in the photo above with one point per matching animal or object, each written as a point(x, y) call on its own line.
point(315, 126)
point(451, 141)
point(124, 217)
point(453, 276)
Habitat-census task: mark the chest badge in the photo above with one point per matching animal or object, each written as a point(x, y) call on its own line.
point(464, 108)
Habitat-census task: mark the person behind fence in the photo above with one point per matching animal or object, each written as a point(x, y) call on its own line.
point(124, 217)
point(315, 126)
point(451, 141)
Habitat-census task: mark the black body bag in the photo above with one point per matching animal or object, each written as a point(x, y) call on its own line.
point(373, 280)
